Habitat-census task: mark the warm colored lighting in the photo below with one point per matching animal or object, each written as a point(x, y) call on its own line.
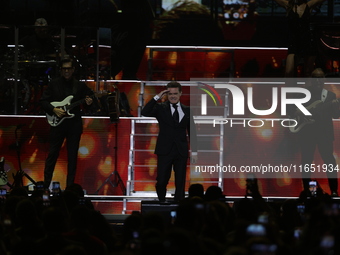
point(87, 145)
point(33, 156)
point(287, 180)
point(154, 128)
point(110, 135)
point(105, 166)
point(152, 163)
point(172, 60)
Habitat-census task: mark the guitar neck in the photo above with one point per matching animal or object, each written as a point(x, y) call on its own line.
point(75, 104)
point(79, 102)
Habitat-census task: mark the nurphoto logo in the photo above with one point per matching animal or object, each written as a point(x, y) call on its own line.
point(243, 103)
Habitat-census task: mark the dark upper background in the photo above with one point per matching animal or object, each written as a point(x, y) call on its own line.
point(263, 27)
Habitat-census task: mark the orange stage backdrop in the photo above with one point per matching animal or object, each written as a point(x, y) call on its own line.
point(97, 155)
point(97, 148)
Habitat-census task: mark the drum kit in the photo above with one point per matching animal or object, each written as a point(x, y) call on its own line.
point(27, 68)
point(30, 70)
point(25, 75)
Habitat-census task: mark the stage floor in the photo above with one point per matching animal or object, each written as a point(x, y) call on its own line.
point(98, 160)
point(120, 205)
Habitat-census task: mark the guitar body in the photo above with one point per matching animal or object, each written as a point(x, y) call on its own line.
point(54, 120)
point(67, 106)
point(303, 120)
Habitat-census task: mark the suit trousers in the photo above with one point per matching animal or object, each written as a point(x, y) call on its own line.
point(325, 148)
point(165, 163)
point(71, 130)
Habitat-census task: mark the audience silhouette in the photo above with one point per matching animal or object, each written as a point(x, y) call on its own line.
point(203, 225)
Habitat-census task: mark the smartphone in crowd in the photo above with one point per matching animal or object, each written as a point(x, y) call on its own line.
point(313, 186)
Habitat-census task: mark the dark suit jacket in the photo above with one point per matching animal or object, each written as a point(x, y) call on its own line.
point(169, 131)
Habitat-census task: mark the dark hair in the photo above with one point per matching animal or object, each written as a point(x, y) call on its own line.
point(66, 60)
point(174, 84)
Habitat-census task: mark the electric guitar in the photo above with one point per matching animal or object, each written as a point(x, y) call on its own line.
point(313, 108)
point(67, 106)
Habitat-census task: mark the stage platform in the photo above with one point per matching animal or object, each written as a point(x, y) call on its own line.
point(127, 147)
point(143, 205)
point(136, 164)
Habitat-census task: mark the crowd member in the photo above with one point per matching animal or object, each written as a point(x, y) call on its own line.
point(301, 43)
point(40, 45)
point(249, 226)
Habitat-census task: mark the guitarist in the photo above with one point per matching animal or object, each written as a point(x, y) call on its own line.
point(320, 134)
point(70, 128)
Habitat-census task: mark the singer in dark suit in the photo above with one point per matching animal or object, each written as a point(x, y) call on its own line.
point(172, 144)
point(320, 134)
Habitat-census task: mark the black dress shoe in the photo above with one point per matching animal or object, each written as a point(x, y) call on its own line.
point(334, 194)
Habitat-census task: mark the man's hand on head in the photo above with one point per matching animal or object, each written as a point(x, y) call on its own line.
point(162, 93)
